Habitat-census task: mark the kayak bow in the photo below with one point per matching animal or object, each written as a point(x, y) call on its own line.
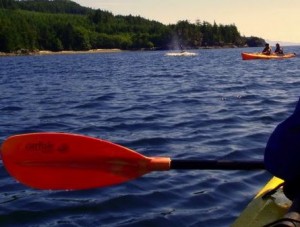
point(265, 207)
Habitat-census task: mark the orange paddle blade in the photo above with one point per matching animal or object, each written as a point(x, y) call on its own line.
point(62, 161)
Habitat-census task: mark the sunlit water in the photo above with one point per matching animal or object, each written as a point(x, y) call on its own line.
point(211, 105)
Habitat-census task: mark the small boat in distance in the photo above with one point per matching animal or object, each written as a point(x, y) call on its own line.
point(258, 55)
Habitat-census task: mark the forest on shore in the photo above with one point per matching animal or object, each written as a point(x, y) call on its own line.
point(57, 25)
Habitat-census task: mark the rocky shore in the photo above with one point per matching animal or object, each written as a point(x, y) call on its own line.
point(46, 52)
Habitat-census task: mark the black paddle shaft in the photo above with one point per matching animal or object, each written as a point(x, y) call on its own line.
point(217, 164)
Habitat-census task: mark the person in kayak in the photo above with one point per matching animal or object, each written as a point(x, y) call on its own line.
point(282, 159)
point(267, 50)
point(278, 49)
point(282, 152)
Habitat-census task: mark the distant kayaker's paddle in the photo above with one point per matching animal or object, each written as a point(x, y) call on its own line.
point(62, 161)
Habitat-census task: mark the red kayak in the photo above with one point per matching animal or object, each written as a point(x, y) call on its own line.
point(252, 56)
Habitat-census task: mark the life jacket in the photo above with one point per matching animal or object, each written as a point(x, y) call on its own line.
point(278, 51)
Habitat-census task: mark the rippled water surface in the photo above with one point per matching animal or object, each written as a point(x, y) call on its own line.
point(209, 106)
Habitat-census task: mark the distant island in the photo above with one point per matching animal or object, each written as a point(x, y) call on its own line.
point(28, 26)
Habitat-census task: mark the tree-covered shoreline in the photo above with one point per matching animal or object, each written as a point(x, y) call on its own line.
point(63, 25)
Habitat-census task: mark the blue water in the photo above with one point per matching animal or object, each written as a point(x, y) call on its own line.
point(209, 106)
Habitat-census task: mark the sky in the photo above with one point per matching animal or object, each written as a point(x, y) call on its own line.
point(272, 20)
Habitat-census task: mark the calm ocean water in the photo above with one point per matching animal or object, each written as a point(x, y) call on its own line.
point(209, 106)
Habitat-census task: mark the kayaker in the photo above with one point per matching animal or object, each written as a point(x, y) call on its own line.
point(278, 49)
point(267, 50)
point(282, 159)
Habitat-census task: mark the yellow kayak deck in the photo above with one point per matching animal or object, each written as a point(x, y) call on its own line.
point(262, 209)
